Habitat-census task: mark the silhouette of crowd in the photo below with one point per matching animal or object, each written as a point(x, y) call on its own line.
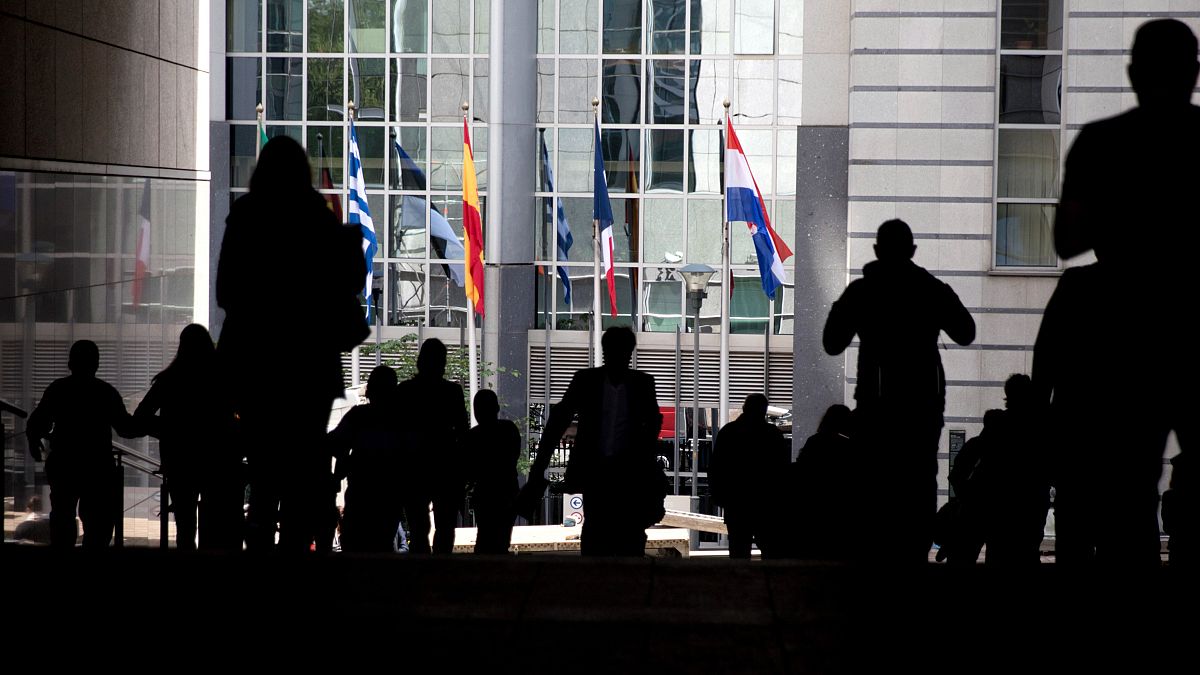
point(1113, 374)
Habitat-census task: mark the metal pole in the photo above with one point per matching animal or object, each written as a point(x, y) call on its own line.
point(164, 528)
point(678, 426)
point(726, 287)
point(472, 368)
point(596, 315)
point(696, 300)
point(378, 328)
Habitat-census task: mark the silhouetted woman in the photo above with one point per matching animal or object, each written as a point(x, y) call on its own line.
point(188, 411)
point(284, 381)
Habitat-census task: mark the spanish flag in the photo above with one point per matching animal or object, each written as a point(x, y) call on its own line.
point(472, 226)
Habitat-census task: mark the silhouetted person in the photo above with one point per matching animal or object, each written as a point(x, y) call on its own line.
point(367, 444)
point(78, 413)
point(35, 528)
point(1016, 479)
point(1127, 194)
point(434, 414)
point(283, 386)
point(968, 477)
point(614, 461)
point(492, 449)
point(898, 310)
point(188, 410)
point(748, 463)
point(821, 507)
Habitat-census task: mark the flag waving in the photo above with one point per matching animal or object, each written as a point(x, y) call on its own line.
point(359, 213)
point(744, 203)
point(143, 246)
point(445, 242)
point(565, 239)
point(603, 215)
point(472, 226)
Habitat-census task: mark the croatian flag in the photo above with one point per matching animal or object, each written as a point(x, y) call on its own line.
point(564, 236)
point(744, 203)
point(359, 213)
point(603, 215)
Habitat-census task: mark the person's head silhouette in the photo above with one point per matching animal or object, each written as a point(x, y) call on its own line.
point(894, 241)
point(431, 360)
point(755, 407)
point(1018, 392)
point(486, 406)
point(195, 345)
point(836, 420)
point(618, 344)
point(381, 383)
point(1163, 66)
point(993, 420)
point(282, 169)
point(84, 358)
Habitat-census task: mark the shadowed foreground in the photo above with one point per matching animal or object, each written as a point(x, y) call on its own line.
point(579, 615)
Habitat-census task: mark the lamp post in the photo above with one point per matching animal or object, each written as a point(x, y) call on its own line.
point(696, 276)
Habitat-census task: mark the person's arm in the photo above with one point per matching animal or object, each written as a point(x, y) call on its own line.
point(39, 424)
point(119, 418)
point(956, 320)
point(1071, 231)
point(145, 417)
point(339, 442)
point(841, 325)
point(561, 415)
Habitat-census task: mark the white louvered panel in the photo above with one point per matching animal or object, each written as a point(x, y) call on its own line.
point(564, 361)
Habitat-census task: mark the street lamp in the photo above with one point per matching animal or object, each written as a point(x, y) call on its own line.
point(696, 276)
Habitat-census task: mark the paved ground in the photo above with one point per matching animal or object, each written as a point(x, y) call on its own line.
point(565, 614)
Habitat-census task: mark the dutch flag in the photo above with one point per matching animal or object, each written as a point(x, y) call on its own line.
point(359, 213)
point(744, 203)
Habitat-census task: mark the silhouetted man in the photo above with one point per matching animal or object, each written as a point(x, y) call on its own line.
point(1016, 476)
point(78, 413)
point(368, 448)
point(750, 457)
point(492, 448)
point(434, 414)
point(823, 490)
point(614, 463)
point(1128, 194)
point(898, 310)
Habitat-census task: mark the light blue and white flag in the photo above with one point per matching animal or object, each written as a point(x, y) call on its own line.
point(359, 213)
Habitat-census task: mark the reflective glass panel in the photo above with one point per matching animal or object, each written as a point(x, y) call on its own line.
point(704, 231)
point(749, 307)
point(759, 147)
point(446, 146)
point(409, 25)
point(545, 91)
point(790, 91)
point(785, 149)
point(482, 25)
point(325, 25)
point(451, 26)
point(407, 224)
point(371, 147)
point(285, 89)
point(406, 294)
point(331, 145)
point(577, 87)
point(1030, 89)
point(412, 141)
point(366, 88)
point(285, 25)
point(1025, 235)
point(1031, 24)
point(545, 137)
point(244, 25)
point(443, 248)
point(578, 211)
point(621, 92)
point(367, 32)
point(480, 103)
point(1027, 165)
point(448, 88)
point(625, 228)
point(577, 314)
point(662, 302)
point(575, 161)
point(622, 26)
point(242, 81)
point(710, 27)
point(667, 98)
point(243, 146)
point(663, 232)
point(625, 280)
point(577, 27)
point(622, 159)
point(447, 300)
point(754, 27)
point(791, 28)
point(664, 172)
point(325, 101)
point(669, 25)
point(711, 87)
point(410, 82)
point(755, 92)
point(545, 40)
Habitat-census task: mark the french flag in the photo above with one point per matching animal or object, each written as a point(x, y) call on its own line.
point(603, 215)
point(744, 203)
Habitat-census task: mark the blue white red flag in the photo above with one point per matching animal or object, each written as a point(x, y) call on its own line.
point(744, 203)
point(603, 215)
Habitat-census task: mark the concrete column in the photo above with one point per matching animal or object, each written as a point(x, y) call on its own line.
point(822, 174)
point(509, 235)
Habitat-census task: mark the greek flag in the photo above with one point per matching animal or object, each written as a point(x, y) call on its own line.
point(359, 213)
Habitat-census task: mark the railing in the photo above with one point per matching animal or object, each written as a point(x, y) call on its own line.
point(128, 457)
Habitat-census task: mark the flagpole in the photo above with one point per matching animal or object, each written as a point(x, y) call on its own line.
point(726, 288)
point(597, 359)
point(355, 367)
point(471, 347)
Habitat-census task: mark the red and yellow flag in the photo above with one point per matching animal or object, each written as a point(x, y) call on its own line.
point(472, 226)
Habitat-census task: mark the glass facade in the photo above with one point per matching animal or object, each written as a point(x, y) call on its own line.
point(68, 271)
point(1028, 132)
point(661, 70)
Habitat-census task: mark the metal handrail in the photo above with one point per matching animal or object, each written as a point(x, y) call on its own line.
point(150, 467)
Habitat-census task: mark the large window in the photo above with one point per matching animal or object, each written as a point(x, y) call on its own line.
point(660, 70)
point(1028, 132)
